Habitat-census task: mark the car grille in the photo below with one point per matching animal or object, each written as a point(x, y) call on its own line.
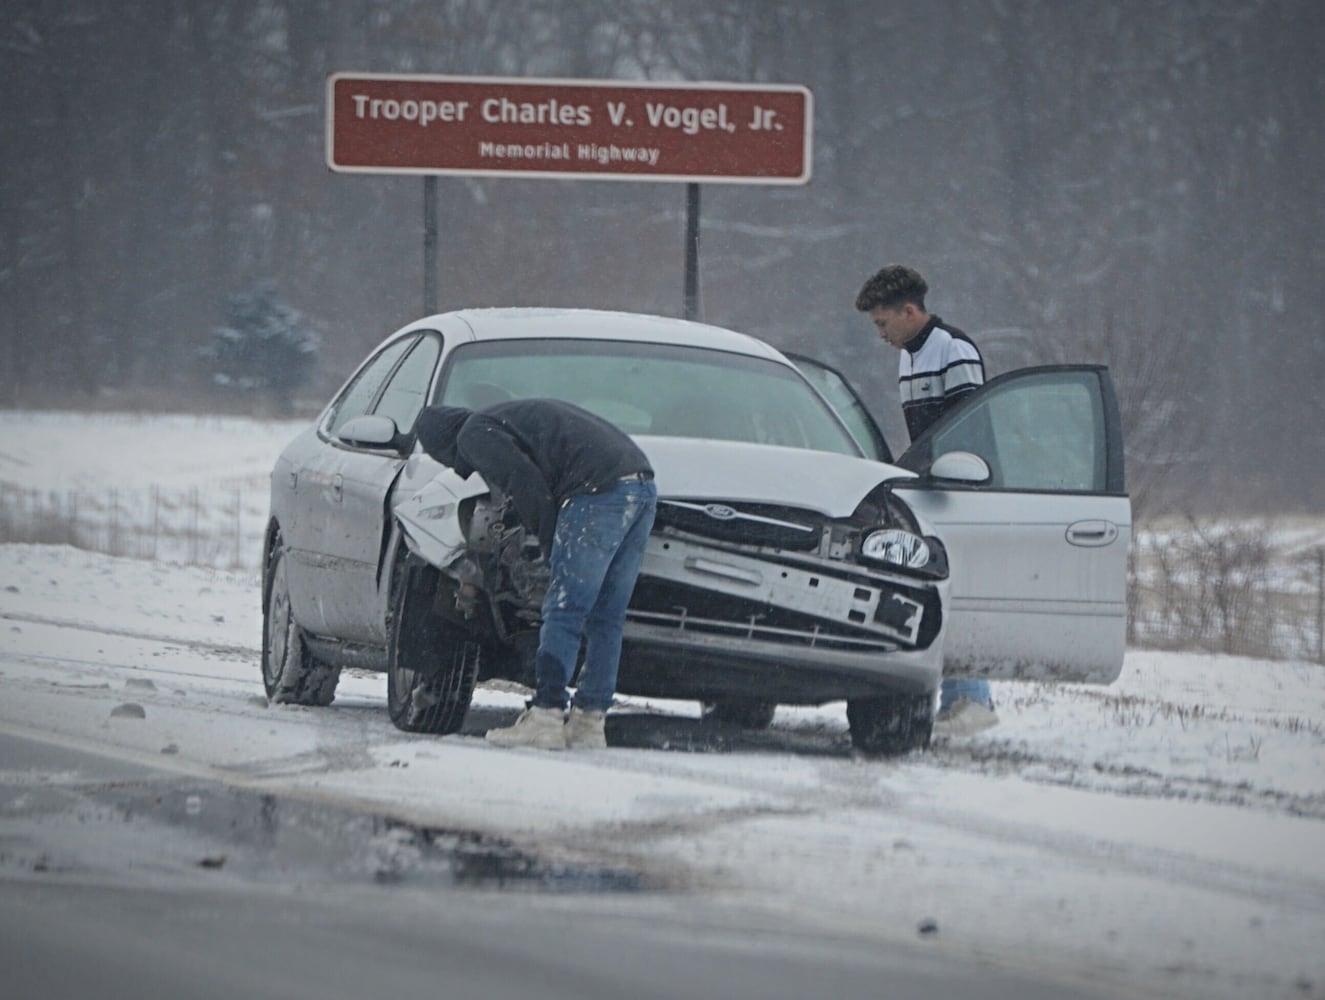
point(743, 524)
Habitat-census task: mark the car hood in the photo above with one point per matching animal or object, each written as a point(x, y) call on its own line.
point(702, 469)
point(684, 468)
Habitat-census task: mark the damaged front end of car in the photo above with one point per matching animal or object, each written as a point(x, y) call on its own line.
point(736, 598)
point(490, 574)
point(785, 604)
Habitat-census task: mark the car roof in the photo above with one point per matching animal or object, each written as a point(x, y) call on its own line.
point(592, 324)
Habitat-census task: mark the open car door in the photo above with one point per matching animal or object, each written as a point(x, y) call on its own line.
point(1038, 552)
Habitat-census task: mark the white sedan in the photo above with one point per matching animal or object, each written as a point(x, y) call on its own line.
point(792, 561)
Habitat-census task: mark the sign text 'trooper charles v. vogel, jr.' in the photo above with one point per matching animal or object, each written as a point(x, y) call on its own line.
point(587, 129)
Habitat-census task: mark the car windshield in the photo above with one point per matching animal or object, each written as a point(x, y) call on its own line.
point(662, 389)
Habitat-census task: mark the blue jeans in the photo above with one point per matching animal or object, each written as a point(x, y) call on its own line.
point(596, 556)
point(955, 690)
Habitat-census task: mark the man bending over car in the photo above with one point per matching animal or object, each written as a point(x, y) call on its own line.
point(584, 489)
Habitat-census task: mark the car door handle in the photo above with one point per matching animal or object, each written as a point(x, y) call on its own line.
point(1091, 533)
point(338, 487)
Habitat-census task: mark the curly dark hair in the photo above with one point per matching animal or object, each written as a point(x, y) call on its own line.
point(894, 285)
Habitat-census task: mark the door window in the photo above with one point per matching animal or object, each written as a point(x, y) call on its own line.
point(847, 402)
point(358, 396)
point(404, 395)
point(1040, 431)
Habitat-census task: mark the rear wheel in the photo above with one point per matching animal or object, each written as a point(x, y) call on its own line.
point(891, 724)
point(290, 673)
point(744, 712)
point(432, 664)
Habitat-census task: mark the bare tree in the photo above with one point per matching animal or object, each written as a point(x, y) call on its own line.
point(1125, 183)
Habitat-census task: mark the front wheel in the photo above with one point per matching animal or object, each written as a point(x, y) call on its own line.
point(892, 724)
point(432, 664)
point(290, 673)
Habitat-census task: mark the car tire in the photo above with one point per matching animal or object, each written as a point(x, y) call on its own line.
point(747, 713)
point(892, 724)
point(290, 673)
point(432, 664)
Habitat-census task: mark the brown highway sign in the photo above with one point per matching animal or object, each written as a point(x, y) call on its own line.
point(585, 129)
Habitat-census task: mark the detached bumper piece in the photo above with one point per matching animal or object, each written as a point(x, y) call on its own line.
point(787, 598)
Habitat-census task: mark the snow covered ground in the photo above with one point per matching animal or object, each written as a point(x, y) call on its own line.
point(1164, 836)
point(190, 489)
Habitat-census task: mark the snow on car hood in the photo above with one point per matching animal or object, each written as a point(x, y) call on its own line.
point(696, 468)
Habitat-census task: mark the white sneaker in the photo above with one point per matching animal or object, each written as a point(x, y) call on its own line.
point(965, 718)
point(542, 728)
point(584, 729)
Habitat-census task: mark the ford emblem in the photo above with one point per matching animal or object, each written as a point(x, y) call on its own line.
point(719, 511)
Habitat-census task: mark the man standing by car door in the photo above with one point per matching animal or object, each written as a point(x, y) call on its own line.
point(938, 366)
point(584, 489)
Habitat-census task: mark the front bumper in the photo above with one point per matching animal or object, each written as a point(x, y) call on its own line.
point(709, 621)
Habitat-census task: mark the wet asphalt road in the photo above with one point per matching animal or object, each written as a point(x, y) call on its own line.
point(118, 880)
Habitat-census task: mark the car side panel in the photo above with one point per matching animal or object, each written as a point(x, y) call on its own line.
point(354, 543)
point(299, 508)
point(1025, 602)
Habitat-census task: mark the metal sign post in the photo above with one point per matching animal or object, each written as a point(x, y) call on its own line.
point(692, 310)
point(569, 129)
point(429, 245)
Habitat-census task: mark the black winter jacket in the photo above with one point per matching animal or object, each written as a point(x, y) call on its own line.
point(539, 452)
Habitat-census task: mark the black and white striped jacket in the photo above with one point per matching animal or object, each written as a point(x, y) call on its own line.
point(937, 367)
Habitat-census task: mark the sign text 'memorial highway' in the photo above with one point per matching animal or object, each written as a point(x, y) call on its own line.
point(586, 129)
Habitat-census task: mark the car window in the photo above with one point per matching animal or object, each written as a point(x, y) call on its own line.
point(1044, 431)
point(844, 399)
point(405, 392)
point(355, 399)
point(663, 389)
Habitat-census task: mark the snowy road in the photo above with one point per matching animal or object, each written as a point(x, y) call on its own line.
point(1158, 838)
point(140, 883)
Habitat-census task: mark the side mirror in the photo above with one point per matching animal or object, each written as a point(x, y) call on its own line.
point(961, 467)
point(372, 431)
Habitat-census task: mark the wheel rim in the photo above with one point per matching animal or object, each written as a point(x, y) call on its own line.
point(279, 623)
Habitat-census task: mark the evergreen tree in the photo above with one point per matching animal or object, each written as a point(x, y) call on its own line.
point(266, 345)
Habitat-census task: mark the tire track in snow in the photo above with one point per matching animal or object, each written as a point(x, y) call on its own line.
point(1121, 779)
point(226, 649)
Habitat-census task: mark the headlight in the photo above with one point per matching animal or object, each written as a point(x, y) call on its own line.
point(900, 548)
